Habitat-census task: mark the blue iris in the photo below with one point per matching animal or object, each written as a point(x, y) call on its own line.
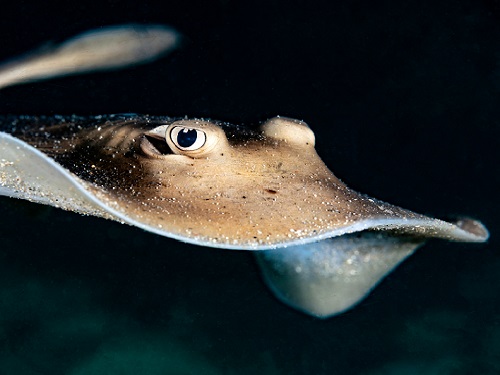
point(186, 138)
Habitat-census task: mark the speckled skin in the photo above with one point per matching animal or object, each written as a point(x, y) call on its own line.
point(252, 189)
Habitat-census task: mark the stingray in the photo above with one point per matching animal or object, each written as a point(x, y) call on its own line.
point(321, 246)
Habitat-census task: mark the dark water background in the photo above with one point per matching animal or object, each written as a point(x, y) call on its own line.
point(404, 97)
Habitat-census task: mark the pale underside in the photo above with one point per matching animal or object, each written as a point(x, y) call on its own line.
point(262, 189)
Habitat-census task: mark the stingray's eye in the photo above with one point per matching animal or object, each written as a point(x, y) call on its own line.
point(187, 139)
point(192, 138)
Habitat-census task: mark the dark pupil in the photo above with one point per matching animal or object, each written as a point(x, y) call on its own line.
point(186, 138)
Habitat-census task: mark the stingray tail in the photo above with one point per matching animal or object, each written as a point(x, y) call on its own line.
point(107, 48)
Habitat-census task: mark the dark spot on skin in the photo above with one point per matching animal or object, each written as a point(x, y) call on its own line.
point(270, 191)
point(244, 197)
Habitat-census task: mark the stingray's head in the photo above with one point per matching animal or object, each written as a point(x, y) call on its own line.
point(239, 186)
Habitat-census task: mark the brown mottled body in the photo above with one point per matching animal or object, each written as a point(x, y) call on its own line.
point(254, 190)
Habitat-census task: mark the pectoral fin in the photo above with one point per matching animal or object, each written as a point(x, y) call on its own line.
point(328, 277)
